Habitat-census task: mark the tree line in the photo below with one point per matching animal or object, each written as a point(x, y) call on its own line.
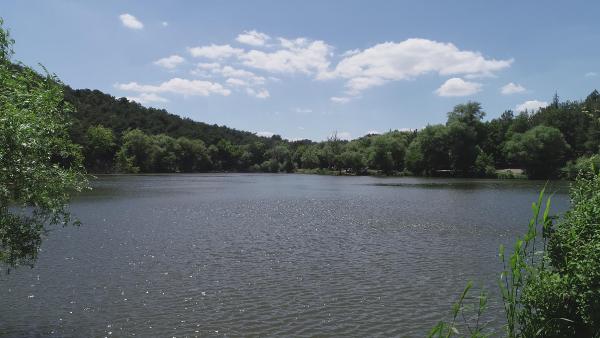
point(117, 135)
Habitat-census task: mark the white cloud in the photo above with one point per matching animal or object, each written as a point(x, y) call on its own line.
point(164, 24)
point(303, 110)
point(391, 61)
point(260, 93)
point(250, 77)
point(253, 38)
point(147, 98)
point(236, 82)
point(338, 99)
point(178, 86)
point(211, 65)
point(265, 133)
point(295, 56)
point(531, 106)
point(373, 132)
point(170, 62)
point(130, 21)
point(215, 51)
point(591, 74)
point(458, 87)
point(512, 88)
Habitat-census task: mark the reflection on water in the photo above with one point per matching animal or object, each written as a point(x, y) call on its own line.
point(268, 255)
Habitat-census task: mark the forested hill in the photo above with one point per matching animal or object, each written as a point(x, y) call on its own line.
point(93, 108)
point(118, 135)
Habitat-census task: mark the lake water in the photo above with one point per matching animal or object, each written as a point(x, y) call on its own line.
point(267, 255)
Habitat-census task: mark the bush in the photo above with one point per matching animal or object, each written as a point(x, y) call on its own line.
point(564, 299)
point(582, 164)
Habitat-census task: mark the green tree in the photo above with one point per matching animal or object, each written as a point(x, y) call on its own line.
point(541, 151)
point(39, 165)
point(353, 160)
point(135, 154)
point(192, 155)
point(99, 149)
point(164, 153)
point(310, 158)
point(465, 133)
point(429, 151)
point(381, 155)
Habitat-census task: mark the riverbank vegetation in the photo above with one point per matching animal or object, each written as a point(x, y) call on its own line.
point(121, 136)
point(550, 284)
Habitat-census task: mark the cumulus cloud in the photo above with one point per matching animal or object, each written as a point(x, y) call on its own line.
point(236, 82)
point(373, 132)
point(458, 87)
point(164, 24)
point(512, 88)
point(391, 61)
point(211, 65)
point(170, 62)
point(295, 56)
point(144, 98)
point(177, 86)
point(248, 76)
point(340, 99)
point(530, 106)
point(591, 74)
point(253, 38)
point(259, 93)
point(130, 21)
point(303, 110)
point(215, 51)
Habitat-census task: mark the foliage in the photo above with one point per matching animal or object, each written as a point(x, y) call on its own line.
point(522, 267)
point(484, 165)
point(564, 298)
point(472, 323)
point(429, 151)
point(39, 165)
point(99, 149)
point(582, 164)
point(550, 283)
point(541, 151)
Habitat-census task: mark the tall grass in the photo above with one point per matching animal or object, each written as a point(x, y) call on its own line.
point(550, 281)
point(526, 260)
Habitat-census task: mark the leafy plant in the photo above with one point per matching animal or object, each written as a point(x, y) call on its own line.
point(39, 165)
point(470, 318)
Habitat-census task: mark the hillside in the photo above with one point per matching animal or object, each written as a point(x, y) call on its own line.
point(93, 107)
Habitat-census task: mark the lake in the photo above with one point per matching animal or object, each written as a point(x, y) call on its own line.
point(268, 255)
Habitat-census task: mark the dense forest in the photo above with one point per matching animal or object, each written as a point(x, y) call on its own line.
point(118, 135)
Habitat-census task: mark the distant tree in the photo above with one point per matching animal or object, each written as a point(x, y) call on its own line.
point(164, 155)
point(192, 155)
point(39, 165)
point(99, 149)
point(541, 151)
point(353, 160)
point(382, 153)
point(136, 153)
point(428, 153)
point(310, 158)
point(496, 134)
point(465, 132)
point(484, 165)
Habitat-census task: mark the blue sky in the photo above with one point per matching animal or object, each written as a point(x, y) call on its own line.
point(304, 69)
